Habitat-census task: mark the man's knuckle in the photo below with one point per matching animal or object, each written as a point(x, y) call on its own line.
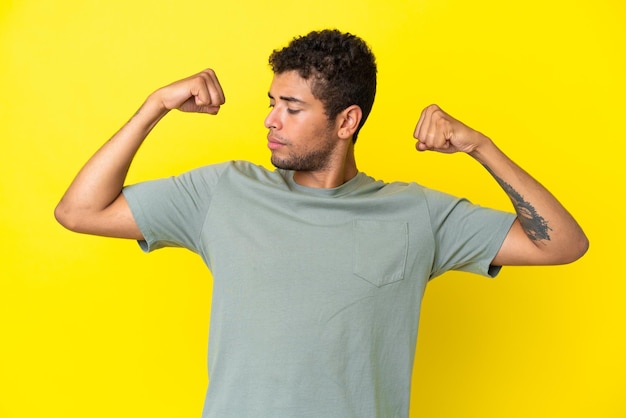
point(441, 122)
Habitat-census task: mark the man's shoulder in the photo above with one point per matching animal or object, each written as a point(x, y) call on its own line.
point(246, 168)
point(399, 187)
point(423, 191)
point(238, 172)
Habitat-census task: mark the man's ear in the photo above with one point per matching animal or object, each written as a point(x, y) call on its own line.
point(348, 121)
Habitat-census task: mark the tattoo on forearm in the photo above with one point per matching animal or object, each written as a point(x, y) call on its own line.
point(535, 226)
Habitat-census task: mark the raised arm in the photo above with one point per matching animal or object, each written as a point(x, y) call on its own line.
point(544, 232)
point(94, 203)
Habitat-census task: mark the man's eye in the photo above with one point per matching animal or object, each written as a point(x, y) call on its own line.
point(293, 111)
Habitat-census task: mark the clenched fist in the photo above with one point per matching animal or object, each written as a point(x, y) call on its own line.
point(438, 131)
point(200, 93)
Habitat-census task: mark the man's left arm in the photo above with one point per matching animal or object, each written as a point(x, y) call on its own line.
point(544, 231)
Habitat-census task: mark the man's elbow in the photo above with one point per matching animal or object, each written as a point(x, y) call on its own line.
point(66, 217)
point(60, 214)
point(580, 248)
point(113, 221)
point(575, 249)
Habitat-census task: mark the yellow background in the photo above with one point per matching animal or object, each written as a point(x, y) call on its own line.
point(92, 327)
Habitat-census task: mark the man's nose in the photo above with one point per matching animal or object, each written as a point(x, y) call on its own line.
point(272, 121)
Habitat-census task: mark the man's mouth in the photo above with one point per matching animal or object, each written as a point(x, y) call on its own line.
point(273, 142)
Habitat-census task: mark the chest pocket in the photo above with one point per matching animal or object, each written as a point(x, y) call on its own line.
point(380, 251)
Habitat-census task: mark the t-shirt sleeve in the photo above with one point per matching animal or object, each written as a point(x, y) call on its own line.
point(170, 212)
point(467, 236)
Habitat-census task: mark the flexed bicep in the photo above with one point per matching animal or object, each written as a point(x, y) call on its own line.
point(116, 220)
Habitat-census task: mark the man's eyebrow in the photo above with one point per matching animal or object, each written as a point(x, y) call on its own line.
point(287, 99)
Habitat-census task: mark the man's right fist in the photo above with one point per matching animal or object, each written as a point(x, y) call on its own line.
point(200, 93)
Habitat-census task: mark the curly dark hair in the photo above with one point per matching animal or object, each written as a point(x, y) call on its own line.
point(340, 66)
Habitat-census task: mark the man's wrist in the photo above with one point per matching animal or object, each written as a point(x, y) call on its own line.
point(484, 150)
point(150, 112)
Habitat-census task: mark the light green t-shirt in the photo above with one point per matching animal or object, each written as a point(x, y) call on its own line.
point(316, 292)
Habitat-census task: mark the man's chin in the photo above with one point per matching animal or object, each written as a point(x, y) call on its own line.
point(282, 163)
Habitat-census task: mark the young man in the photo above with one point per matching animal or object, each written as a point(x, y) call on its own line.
point(319, 270)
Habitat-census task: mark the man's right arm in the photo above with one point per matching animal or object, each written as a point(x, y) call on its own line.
point(94, 203)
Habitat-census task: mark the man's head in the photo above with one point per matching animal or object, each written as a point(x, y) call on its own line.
point(340, 68)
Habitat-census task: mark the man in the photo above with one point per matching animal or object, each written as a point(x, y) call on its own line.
point(319, 270)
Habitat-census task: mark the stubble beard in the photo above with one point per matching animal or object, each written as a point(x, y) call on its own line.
point(309, 160)
point(316, 160)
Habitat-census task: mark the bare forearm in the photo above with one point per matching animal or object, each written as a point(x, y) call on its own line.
point(544, 232)
point(101, 179)
point(94, 203)
point(547, 224)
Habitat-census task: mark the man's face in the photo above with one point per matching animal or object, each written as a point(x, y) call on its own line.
point(300, 137)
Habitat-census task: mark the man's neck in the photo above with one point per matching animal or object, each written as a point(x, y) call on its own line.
point(333, 176)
